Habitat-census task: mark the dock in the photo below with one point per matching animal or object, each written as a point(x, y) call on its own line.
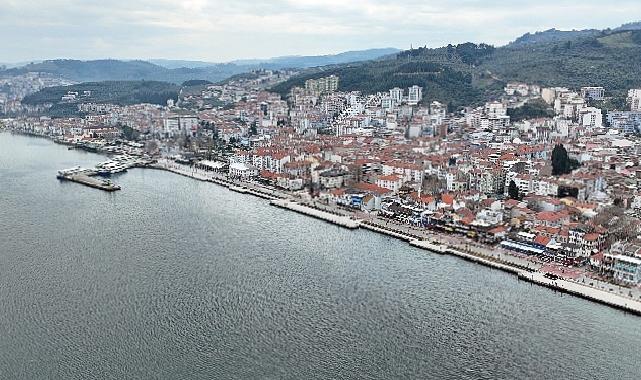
point(91, 182)
point(339, 220)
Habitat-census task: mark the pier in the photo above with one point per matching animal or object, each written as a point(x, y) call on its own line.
point(91, 182)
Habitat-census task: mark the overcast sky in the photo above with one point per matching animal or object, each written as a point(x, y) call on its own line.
point(222, 30)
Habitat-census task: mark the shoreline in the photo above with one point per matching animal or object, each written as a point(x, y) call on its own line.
point(523, 273)
point(531, 275)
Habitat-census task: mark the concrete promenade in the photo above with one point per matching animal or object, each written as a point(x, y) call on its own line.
point(342, 221)
point(523, 267)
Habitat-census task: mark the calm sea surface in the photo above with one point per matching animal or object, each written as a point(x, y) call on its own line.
point(171, 278)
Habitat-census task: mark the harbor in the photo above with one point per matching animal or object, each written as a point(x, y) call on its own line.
point(284, 201)
point(234, 249)
point(88, 177)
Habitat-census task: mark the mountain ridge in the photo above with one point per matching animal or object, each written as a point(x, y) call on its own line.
point(469, 74)
point(176, 71)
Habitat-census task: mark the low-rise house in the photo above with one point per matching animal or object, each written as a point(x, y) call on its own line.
point(241, 170)
point(392, 182)
point(333, 178)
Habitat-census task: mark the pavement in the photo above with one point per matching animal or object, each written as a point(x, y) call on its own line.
point(578, 275)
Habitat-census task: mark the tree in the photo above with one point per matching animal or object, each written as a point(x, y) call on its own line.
point(560, 161)
point(513, 191)
point(129, 133)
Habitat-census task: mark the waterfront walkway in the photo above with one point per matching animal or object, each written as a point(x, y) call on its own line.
point(525, 267)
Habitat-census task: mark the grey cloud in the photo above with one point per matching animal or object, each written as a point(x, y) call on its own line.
point(226, 29)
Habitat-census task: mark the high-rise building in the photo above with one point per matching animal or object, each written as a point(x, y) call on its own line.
point(322, 85)
point(396, 94)
point(634, 98)
point(415, 95)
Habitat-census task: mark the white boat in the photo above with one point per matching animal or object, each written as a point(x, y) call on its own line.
point(110, 167)
point(69, 172)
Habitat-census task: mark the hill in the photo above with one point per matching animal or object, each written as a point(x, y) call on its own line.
point(552, 36)
point(179, 71)
point(320, 60)
point(468, 74)
point(115, 70)
point(630, 26)
point(113, 92)
point(446, 74)
point(98, 70)
point(609, 59)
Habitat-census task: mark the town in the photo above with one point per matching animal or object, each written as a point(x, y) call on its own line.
point(547, 176)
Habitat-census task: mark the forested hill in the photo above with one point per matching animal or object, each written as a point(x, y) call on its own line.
point(611, 59)
point(468, 73)
point(113, 92)
point(181, 71)
point(553, 35)
point(446, 74)
point(115, 70)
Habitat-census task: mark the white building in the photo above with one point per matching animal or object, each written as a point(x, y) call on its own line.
point(396, 94)
point(415, 95)
point(593, 93)
point(634, 98)
point(591, 117)
point(495, 109)
point(241, 170)
point(387, 103)
point(391, 182)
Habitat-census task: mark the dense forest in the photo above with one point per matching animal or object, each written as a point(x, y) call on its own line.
point(610, 59)
point(531, 110)
point(114, 92)
point(446, 74)
point(468, 74)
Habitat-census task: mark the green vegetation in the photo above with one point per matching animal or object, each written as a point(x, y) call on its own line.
point(597, 61)
point(120, 93)
point(129, 133)
point(512, 190)
point(530, 110)
point(446, 76)
point(553, 36)
point(468, 74)
point(196, 82)
point(561, 162)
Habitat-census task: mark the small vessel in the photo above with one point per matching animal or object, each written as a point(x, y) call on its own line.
point(69, 172)
point(110, 167)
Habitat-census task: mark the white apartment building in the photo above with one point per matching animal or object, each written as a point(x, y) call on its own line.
point(495, 109)
point(396, 94)
point(322, 85)
point(593, 93)
point(415, 95)
point(634, 98)
point(591, 117)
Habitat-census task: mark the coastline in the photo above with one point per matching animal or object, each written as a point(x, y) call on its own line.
point(285, 201)
point(522, 273)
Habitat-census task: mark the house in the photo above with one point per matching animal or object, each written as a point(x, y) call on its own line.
point(333, 178)
point(392, 182)
point(627, 269)
point(241, 170)
point(551, 219)
point(289, 182)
